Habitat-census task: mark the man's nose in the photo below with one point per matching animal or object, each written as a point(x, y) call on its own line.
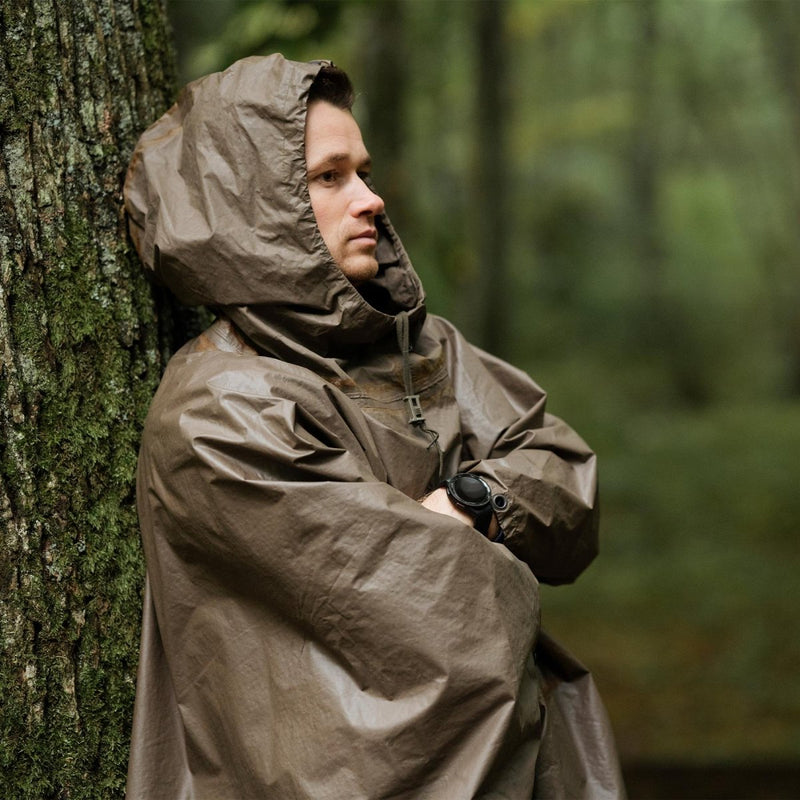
point(367, 201)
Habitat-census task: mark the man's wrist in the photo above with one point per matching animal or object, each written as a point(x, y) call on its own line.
point(473, 495)
point(438, 501)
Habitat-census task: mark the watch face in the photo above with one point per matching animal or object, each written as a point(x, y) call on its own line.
point(471, 490)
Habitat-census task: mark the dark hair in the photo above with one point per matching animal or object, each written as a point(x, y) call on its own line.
point(333, 86)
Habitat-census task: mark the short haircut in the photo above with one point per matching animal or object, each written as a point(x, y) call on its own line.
point(332, 86)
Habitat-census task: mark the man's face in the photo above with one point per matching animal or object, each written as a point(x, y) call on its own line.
point(345, 207)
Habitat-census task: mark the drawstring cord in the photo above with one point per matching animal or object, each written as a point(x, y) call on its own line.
point(415, 415)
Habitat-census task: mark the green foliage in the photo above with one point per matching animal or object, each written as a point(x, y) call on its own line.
point(211, 36)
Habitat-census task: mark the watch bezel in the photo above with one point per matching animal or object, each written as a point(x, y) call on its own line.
point(451, 484)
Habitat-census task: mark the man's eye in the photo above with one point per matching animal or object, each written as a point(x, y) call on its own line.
point(363, 175)
point(328, 177)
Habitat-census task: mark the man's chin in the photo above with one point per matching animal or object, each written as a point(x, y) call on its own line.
point(360, 270)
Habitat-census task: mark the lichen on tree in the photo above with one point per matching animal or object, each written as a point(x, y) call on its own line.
point(82, 345)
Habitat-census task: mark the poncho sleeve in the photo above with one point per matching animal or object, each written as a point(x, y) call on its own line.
point(545, 471)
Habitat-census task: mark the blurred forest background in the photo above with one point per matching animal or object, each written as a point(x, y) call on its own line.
point(608, 194)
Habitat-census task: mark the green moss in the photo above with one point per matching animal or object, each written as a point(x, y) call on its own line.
point(87, 360)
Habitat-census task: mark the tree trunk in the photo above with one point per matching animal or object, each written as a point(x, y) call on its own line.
point(385, 88)
point(780, 26)
point(645, 165)
point(80, 356)
point(490, 297)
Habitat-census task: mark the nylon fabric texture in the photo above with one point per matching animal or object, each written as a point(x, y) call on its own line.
point(310, 630)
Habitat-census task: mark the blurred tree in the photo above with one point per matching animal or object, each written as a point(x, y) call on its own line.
point(661, 324)
point(80, 357)
point(780, 27)
point(489, 292)
point(384, 93)
point(645, 167)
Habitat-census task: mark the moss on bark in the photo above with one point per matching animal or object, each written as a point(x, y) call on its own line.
point(81, 350)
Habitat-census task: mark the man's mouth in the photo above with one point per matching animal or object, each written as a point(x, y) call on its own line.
point(370, 234)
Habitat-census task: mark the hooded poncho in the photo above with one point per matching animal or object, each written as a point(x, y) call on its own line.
point(310, 629)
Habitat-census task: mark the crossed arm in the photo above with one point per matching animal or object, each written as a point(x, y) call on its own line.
point(438, 501)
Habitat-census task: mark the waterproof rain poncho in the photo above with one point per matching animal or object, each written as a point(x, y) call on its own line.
point(310, 630)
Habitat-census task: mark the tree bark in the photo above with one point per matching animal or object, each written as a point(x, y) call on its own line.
point(80, 356)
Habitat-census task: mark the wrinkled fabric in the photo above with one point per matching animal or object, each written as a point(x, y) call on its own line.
point(310, 630)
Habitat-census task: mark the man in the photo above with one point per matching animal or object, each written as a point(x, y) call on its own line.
point(345, 507)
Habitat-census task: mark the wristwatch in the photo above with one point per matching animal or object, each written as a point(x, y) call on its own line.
point(472, 494)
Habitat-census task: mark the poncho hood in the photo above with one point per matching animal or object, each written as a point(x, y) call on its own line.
point(219, 210)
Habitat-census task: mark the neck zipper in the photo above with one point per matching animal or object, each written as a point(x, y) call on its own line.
point(415, 416)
